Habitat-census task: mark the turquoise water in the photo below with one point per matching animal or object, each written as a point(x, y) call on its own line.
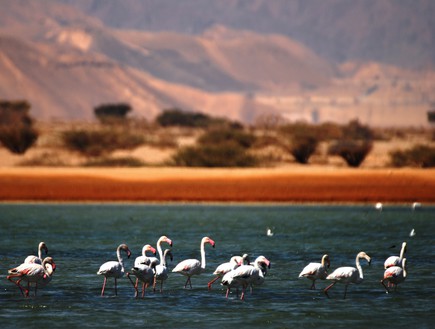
point(81, 237)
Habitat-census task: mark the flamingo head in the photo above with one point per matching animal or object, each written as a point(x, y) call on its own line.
point(167, 240)
point(263, 260)
point(326, 260)
point(43, 246)
point(126, 249)
point(362, 254)
point(49, 260)
point(246, 259)
point(208, 240)
point(169, 252)
point(148, 247)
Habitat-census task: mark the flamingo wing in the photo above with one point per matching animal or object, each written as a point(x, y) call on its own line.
point(392, 261)
point(111, 268)
point(187, 266)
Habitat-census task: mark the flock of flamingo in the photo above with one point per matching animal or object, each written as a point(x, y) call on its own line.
point(237, 273)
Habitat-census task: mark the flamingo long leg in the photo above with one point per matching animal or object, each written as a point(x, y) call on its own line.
point(345, 291)
point(116, 288)
point(104, 286)
point(386, 288)
point(211, 282)
point(329, 287)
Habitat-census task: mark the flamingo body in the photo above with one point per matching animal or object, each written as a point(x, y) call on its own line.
point(394, 275)
point(32, 259)
point(396, 260)
point(191, 267)
point(314, 271)
point(114, 269)
point(347, 274)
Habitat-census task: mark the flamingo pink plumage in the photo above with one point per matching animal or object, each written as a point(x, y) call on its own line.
point(348, 274)
point(190, 267)
point(314, 271)
point(114, 269)
point(32, 272)
point(246, 275)
point(396, 260)
point(394, 275)
point(224, 268)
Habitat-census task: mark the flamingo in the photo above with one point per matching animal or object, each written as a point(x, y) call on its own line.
point(162, 239)
point(348, 274)
point(144, 259)
point(395, 260)
point(145, 274)
point(394, 275)
point(224, 268)
point(37, 259)
point(190, 267)
point(314, 271)
point(161, 270)
point(114, 269)
point(246, 275)
point(32, 272)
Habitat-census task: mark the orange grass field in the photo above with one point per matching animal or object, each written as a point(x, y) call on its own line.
point(334, 185)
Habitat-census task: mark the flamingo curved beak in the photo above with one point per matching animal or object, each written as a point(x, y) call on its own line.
point(128, 253)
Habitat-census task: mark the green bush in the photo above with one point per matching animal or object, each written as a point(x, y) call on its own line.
point(352, 151)
point(422, 156)
point(16, 126)
point(101, 141)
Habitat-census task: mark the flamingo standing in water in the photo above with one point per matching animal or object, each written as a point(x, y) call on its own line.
point(114, 269)
point(190, 267)
point(224, 268)
point(246, 275)
point(32, 272)
point(347, 274)
point(161, 270)
point(314, 271)
point(396, 260)
point(394, 275)
point(37, 259)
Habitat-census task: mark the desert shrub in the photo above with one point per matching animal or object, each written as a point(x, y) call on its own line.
point(179, 118)
point(352, 151)
point(219, 148)
point(300, 140)
point(16, 126)
point(115, 162)
point(100, 141)
point(228, 154)
point(112, 113)
point(422, 156)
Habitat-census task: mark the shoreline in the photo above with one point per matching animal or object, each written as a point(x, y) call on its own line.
point(300, 185)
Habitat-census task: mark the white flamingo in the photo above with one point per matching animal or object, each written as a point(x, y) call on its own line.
point(246, 275)
point(31, 273)
point(144, 259)
point(314, 271)
point(162, 239)
point(37, 259)
point(161, 270)
point(394, 275)
point(114, 269)
point(224, 268)
point(190, 267)
point(396, 260)
point(144, 274)
point(348, 274)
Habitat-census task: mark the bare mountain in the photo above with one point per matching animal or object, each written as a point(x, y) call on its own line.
point(66, 57)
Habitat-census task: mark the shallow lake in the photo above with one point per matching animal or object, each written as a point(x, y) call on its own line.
point(81, 237)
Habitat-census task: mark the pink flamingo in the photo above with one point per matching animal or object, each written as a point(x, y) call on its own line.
point(224, 268)
point(114, 269)
point(396, 260)
point(394, 275)
point(32, 272)
point(246, 275)
point(314, 271)
point(145, 274)
point(348, 274)
point(190, 267)
point(37, 259)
